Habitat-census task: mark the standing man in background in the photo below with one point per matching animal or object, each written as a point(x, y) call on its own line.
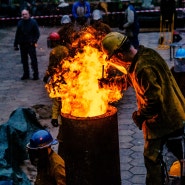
point(131, 24)
point(27, 35)
point(81, 12)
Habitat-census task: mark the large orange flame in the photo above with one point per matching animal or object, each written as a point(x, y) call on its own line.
point(76, 82)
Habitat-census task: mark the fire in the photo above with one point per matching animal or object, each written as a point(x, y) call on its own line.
point(76, 82)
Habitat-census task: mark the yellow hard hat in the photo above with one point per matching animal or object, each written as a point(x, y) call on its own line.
point(112, 42)
point(58, 53)
point(175, 169)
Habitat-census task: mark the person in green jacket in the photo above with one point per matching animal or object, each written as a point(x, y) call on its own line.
point(161, 104)
point(57, 54)
point(50, 166)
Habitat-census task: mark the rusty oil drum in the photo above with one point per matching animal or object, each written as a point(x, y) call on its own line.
point(91, 149)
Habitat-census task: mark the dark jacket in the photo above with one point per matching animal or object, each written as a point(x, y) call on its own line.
point(160, 101)
point(27, 32)
point(66, 32)
point(167, 9)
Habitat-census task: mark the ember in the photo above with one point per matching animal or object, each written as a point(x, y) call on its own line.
point(76, 79)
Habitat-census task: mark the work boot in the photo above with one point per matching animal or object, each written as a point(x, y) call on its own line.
point(25, 77)
point(35, 76)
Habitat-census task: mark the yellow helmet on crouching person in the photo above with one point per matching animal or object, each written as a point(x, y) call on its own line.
point(113, 41)
point(175, 169)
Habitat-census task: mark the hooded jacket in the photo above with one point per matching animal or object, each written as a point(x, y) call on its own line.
point(159, 99)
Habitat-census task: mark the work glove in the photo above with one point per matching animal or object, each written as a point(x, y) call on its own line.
point(138, 119)
point(54, 122)
point(45, 79)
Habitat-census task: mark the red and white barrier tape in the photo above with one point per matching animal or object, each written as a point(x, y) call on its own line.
point(51, 16)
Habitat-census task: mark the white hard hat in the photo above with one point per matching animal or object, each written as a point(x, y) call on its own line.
point(97, 15)
point(65, 19)
point(63, 4)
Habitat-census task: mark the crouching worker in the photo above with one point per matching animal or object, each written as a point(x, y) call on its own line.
point(50, 166)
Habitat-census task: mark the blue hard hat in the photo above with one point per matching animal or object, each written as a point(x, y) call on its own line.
point(180, 53)
point(41, 139)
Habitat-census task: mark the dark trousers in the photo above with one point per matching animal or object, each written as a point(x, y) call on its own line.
point(134, 41)
point(29, 50)
point(153, 156)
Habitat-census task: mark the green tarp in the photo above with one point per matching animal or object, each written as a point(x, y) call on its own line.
point(14, 135)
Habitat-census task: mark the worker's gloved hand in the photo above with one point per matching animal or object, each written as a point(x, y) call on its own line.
point(138, 120)
point(54, 122)
point(45, 79)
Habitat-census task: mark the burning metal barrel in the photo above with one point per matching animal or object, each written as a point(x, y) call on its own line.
point(91, 149)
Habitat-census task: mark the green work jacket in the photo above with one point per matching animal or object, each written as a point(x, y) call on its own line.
point(159, 99)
